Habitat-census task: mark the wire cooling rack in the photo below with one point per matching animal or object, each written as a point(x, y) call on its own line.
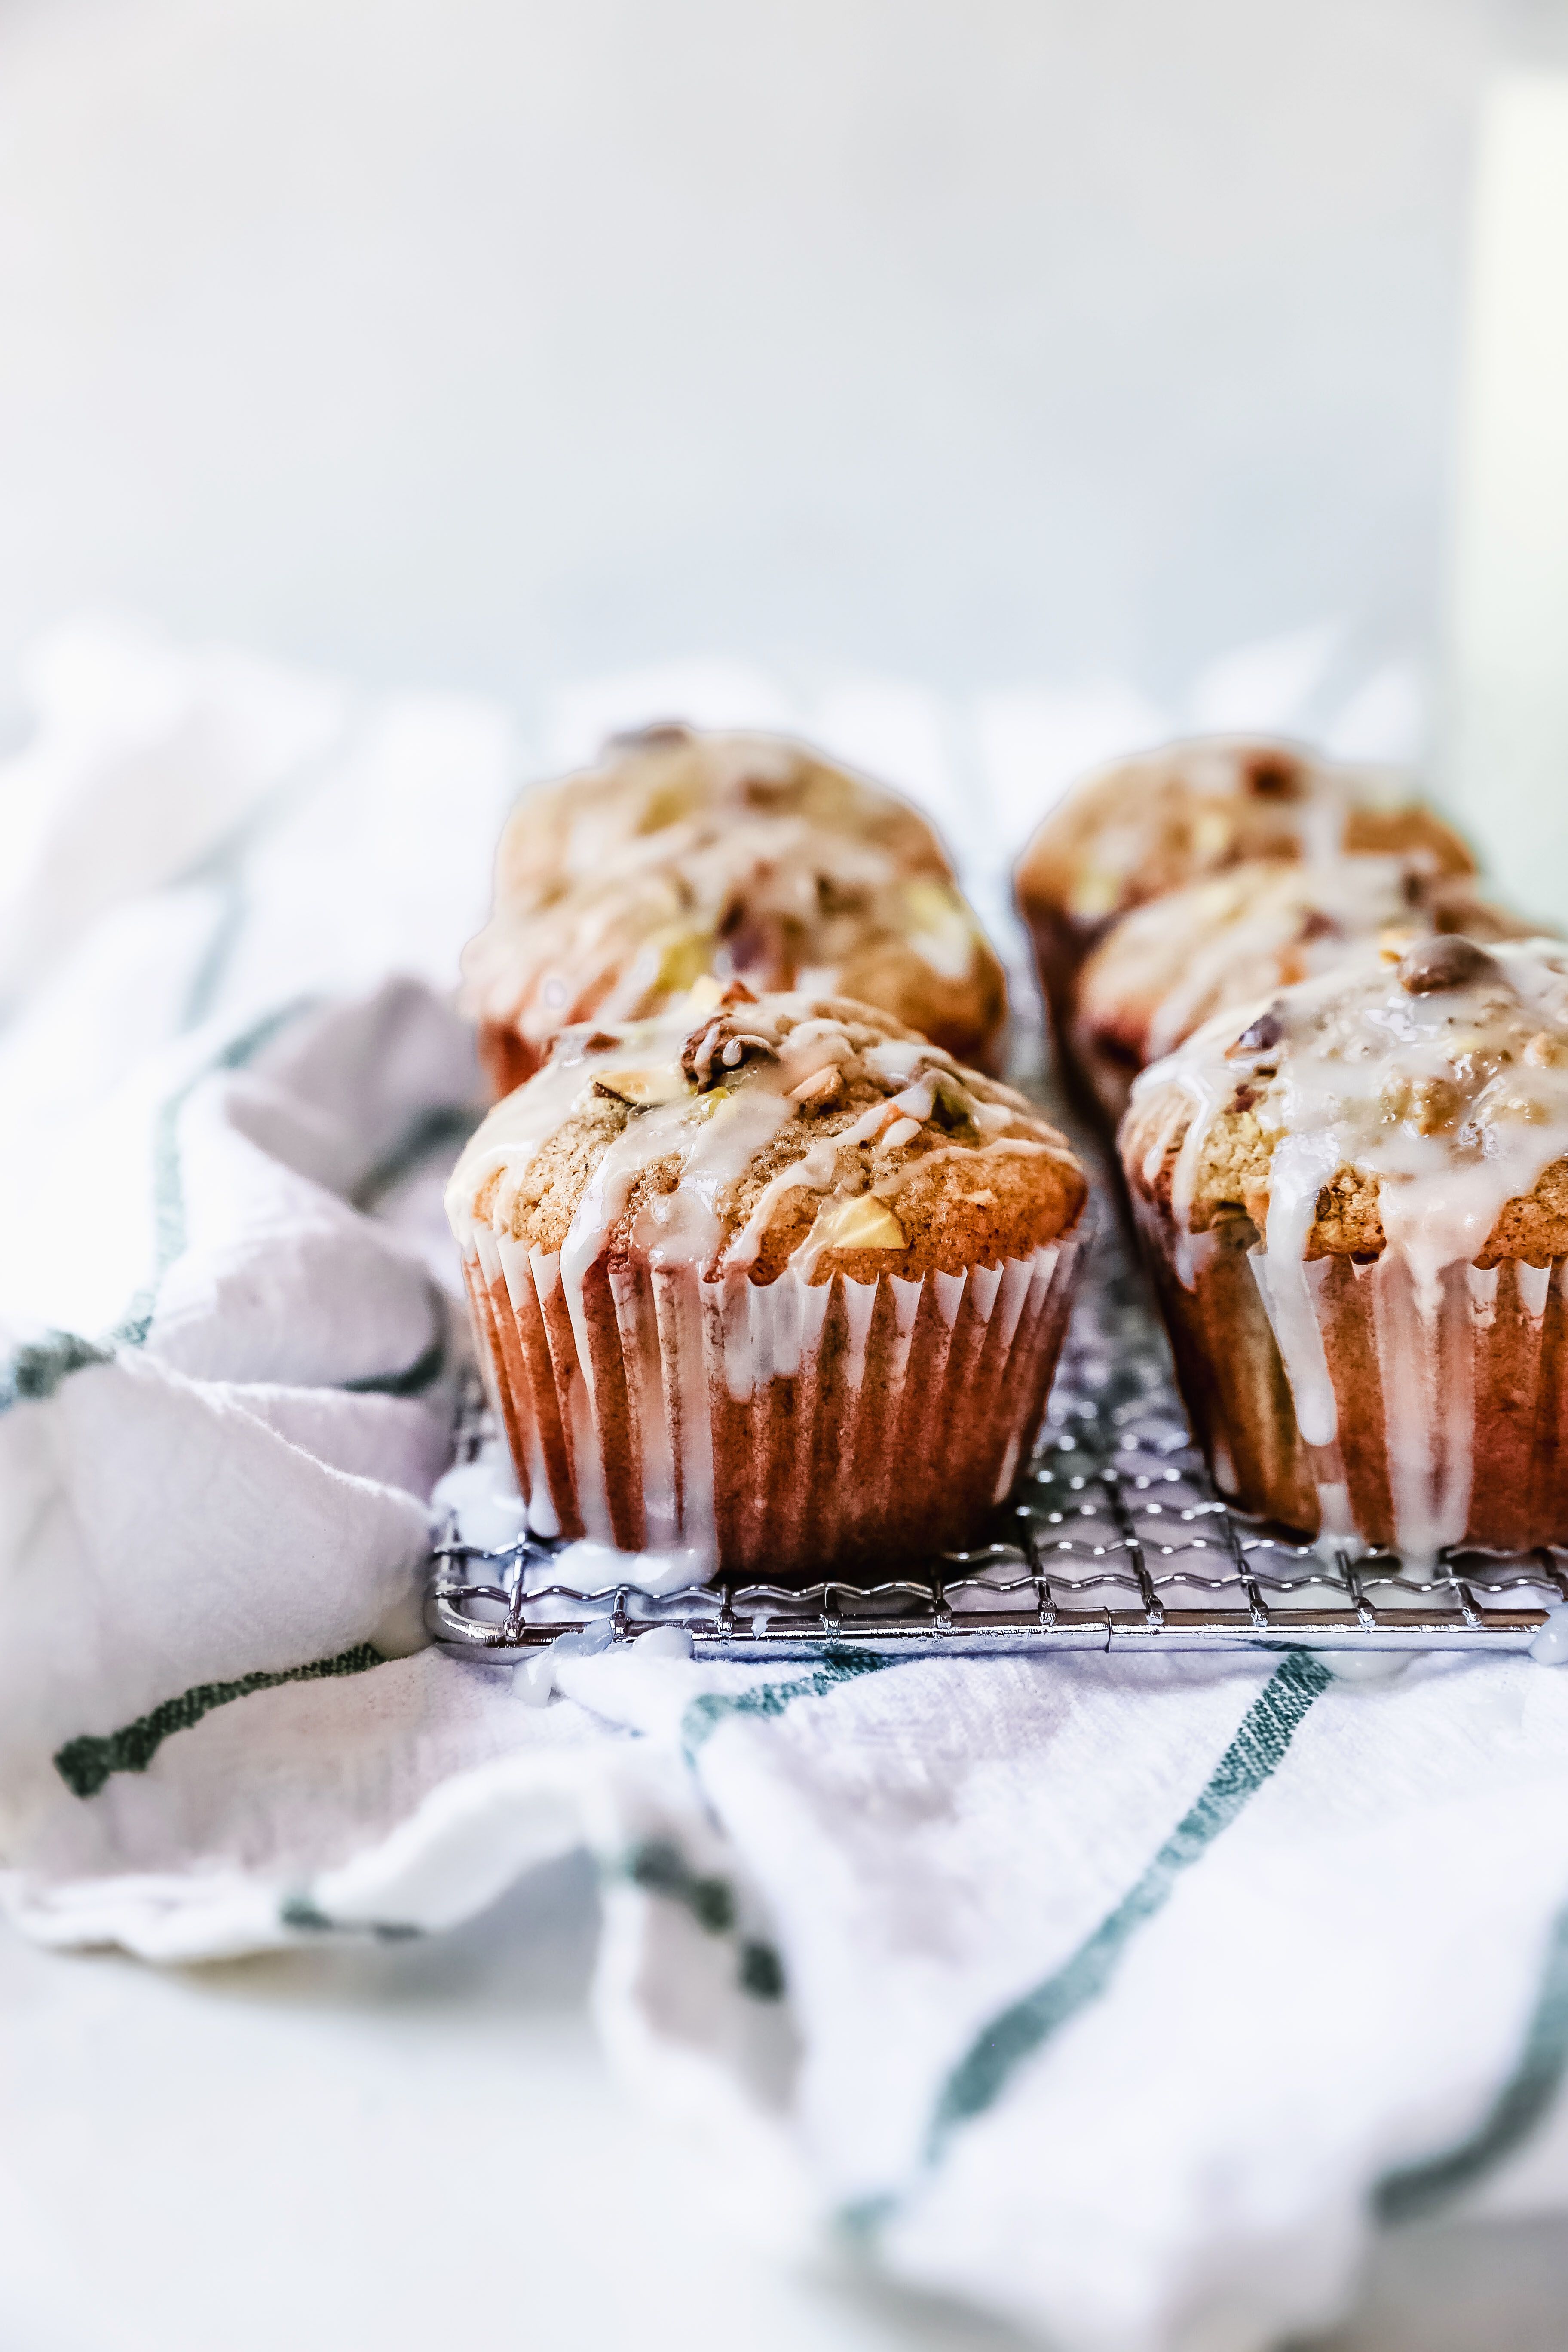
point(1115, 1540)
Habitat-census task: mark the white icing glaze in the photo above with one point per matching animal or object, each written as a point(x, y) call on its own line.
point(782, 895)
point(1365, 894)
point(715, 1136)
point(1452, 1101)
point(690, 1323)
point(1199, 794)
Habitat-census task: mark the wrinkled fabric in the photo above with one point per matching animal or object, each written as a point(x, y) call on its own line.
point(1122, 1996)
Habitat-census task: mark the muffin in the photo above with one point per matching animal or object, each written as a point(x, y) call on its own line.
point(768, 1280)
point(777, 901)
point(1171, 964)
point(690, 787)
point(1354, 1197)
point(1169, 817)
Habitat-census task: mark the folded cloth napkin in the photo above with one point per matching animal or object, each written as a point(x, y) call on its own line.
point(1121, 1997)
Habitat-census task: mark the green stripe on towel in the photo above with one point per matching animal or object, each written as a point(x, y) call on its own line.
point(1019, 2031)
point(1255, 1754)
point(35, 1372)
point(442, 1129)
point(422, 1374)
point(85, 1764)
point(168, 1178)
point(1412, 2191)
point(659, 1868)
point(704, 1716)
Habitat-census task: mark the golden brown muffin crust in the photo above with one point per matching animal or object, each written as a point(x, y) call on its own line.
point(1161, 821)
point(1171, 964)
point(775, 901)
point(672, 776)
point(958, 1168)
point(1483, 1083)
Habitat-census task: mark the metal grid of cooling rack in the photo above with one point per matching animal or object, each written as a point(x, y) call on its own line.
point(1115, 1540)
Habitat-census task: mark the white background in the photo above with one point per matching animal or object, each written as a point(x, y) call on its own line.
point(493, 341)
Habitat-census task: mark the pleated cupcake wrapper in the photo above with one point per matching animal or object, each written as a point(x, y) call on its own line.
point(784, 1428)
point(1364, 1404)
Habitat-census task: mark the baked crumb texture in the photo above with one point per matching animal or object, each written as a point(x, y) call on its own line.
point(1354, 1193)
point(1157, 824)
point(770, 1280)
point(745, 856)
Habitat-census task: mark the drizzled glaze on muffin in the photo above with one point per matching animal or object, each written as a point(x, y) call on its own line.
point(1407, 1114)
point(1411, 1102)
point(1172, 963)
point(672, 789)
point(1160, 821)
point(776, 901)
point(784, 1133)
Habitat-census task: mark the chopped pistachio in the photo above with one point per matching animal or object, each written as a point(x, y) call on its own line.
point(952, 1108)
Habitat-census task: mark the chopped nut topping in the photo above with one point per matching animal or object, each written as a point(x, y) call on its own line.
point(1275, 776)
point(953, 1109)
point(1428, 1105)
point(722, 1045)
point(822, 1091)
point(1259, 1034)
point(1452, 961)
point(1543, 1050)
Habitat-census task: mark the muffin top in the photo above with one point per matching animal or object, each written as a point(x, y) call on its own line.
point(672, 791)
point(778, 901)
point(1161, 821)
point(765, 1133)
point(1417, 1101)
point(1171, 964)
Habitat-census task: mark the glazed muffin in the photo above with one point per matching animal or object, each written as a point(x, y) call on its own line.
point(690, 787)
point(1165, 969)
point(777, 901)
point(1164, 819)
point(1355, 1201)
point(770, 1281)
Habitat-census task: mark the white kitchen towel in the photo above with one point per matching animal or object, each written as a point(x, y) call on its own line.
point(1124, 1997)
point(1121, 1997)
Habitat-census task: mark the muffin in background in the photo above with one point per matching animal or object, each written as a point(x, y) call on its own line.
point(1167, 818)
point(777, 901)
point(686, 787)
point(743, 856)
point(1354, 1196)
point(769, 1281)
point(1171, 964)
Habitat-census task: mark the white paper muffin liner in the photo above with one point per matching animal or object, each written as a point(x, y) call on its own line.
point(780, 1430)
point(1362, 1405)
